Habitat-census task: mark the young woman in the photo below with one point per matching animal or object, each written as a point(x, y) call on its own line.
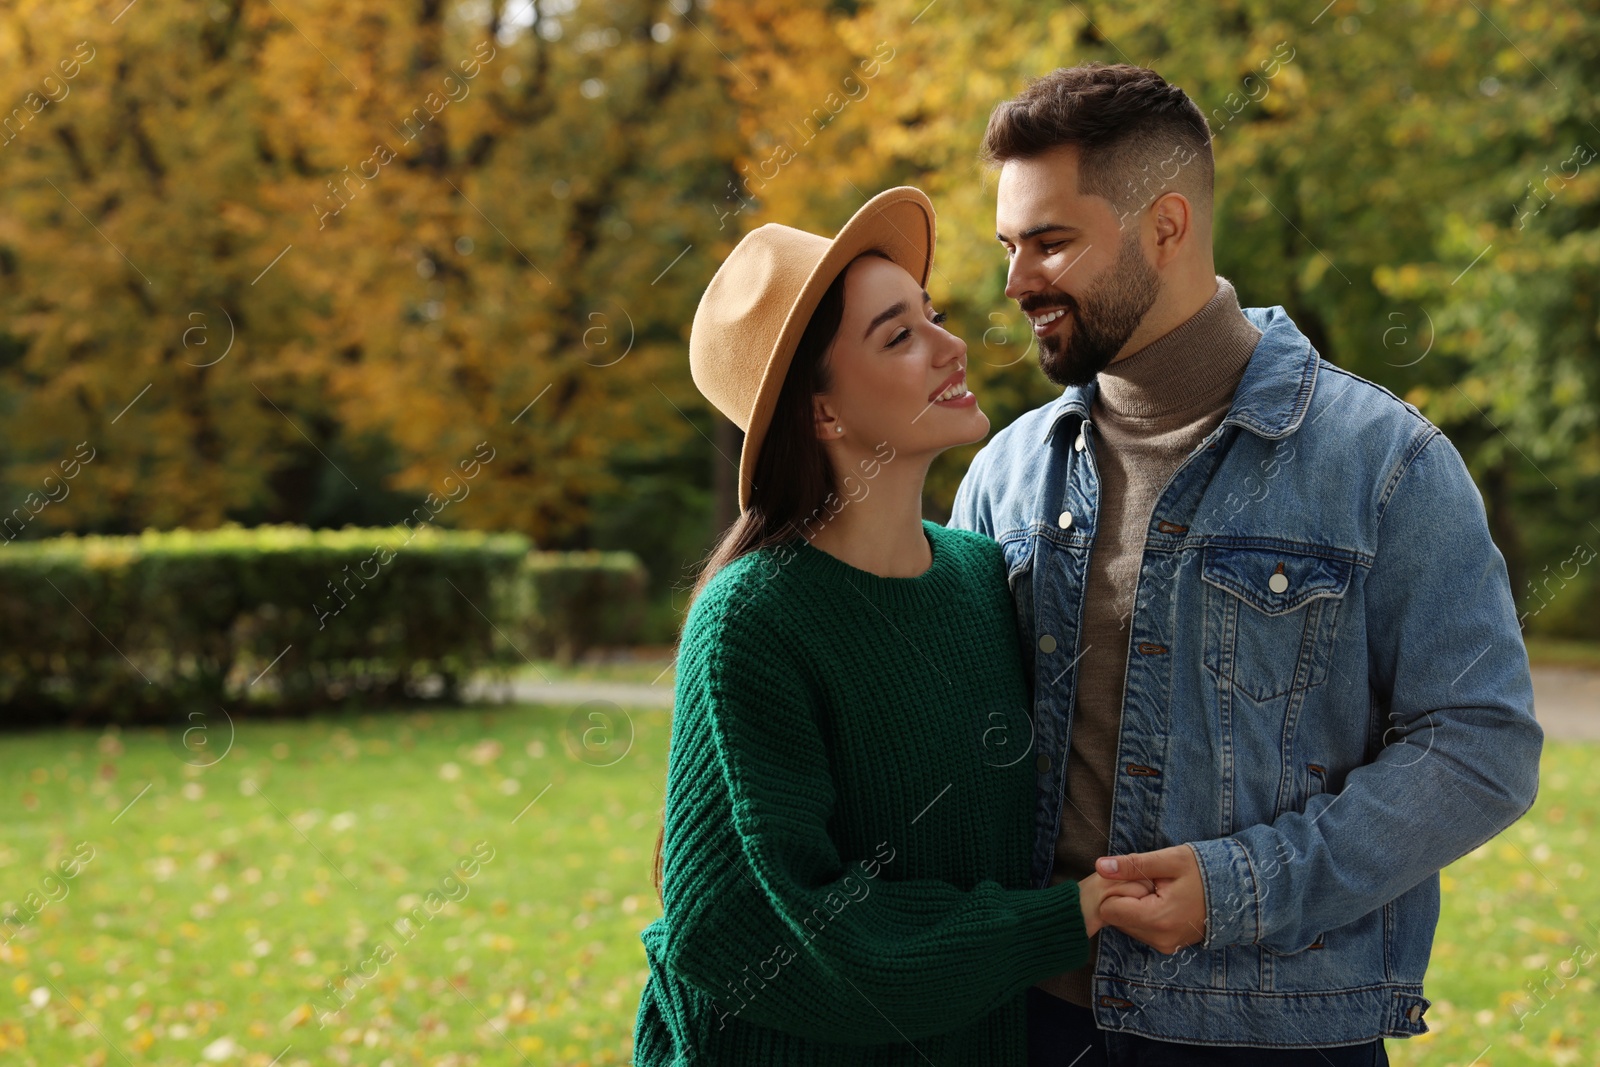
point(844, 861)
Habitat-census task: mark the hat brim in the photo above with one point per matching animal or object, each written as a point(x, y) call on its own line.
point(897, 221)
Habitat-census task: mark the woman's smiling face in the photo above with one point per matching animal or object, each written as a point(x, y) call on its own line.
point(897, 374)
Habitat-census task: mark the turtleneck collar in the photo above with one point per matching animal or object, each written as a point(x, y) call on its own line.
point(1186, 369)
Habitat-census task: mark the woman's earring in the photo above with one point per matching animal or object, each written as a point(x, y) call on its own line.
point(838, 429)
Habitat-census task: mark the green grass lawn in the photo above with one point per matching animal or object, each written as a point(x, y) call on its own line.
point(216, 908)
point(217, 904)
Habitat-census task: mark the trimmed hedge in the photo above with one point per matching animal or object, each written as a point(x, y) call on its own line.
point(153, 627)
point(584, 599)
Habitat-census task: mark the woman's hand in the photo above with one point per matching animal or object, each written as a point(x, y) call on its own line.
point(1093, 889)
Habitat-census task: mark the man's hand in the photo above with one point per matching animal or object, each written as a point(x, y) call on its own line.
point(1173, 914)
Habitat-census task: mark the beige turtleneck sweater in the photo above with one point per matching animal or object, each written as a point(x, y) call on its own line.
point(1152, 408)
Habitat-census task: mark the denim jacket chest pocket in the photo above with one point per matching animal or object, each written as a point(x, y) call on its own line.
point(1271, 614)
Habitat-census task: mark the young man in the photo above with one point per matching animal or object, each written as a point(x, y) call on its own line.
point(1277, 667)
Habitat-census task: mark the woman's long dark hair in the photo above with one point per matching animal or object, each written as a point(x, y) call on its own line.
point(792, 477)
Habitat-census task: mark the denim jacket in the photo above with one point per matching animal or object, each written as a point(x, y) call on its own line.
point(1327, 692)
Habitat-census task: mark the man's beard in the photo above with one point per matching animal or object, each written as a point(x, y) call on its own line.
point(1103, 322)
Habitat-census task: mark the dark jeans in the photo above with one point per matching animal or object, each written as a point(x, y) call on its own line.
point(1061, 1034)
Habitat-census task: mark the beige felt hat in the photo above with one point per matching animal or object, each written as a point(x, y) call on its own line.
point(758, 304)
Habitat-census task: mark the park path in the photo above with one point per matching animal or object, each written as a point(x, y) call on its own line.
point(1566, 699)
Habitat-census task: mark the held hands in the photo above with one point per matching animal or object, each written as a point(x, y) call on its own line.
point(1094, 891)
point(1166, 908)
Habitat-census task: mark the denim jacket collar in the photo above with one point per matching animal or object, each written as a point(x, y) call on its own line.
point(1268, 402)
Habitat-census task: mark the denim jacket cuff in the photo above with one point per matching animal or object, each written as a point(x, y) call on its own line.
point(1233, 912)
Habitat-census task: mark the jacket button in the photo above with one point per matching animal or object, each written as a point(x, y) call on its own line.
point(1279, 581)
point(1415, 1013)
point(1064, 520)
point(1043, 763)
point(1078, 443)
point(1047, 643)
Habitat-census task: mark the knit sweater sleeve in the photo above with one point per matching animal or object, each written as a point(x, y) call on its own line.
point(764, 915)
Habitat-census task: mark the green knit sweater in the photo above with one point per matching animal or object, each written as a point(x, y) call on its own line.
point(849, 804)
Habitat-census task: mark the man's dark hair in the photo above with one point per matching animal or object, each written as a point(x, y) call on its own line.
point(1131, 129)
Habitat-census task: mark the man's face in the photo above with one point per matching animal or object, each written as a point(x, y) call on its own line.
point(1070, 259)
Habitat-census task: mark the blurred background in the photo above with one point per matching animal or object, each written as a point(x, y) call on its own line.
point(352, 479)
